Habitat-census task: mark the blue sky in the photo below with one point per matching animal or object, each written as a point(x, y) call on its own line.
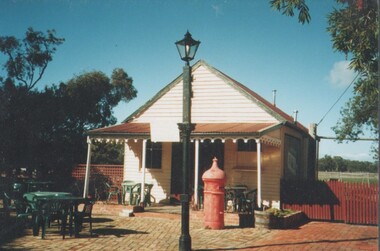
point(245, 39)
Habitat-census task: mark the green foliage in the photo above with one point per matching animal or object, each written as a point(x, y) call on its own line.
point(289, 6)
point(280, 212)
point(122, 85)
point(45, 131)
point(107, 153)
point(93, 95)
point(91, 100)
point(338, 164)
point(354, 30)
point(29, 57)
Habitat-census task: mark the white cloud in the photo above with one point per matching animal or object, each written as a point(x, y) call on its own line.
point(340, 75)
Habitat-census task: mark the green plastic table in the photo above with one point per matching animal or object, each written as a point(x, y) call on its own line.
point(70, 203)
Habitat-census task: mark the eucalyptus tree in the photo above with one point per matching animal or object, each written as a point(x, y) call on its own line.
point(44, 131)
point(28, 58)
point(83, 103)
point(354, 30)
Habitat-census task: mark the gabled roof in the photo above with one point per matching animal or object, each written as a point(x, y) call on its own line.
point(136, 129)
point(248, 93)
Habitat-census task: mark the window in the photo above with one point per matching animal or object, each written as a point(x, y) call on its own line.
point(292, 158)
point(153, 155)
point(249, 146)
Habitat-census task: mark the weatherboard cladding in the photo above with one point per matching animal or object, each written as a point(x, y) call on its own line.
point(213, 101)
point(219, 105)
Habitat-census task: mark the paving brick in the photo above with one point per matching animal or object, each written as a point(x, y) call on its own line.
point(161, 231)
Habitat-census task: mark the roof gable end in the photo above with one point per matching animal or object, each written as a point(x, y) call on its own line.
point(204, 76)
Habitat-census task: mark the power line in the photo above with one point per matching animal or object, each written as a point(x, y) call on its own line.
point(348, 87)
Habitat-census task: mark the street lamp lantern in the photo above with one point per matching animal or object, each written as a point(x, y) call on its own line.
point(187, 47)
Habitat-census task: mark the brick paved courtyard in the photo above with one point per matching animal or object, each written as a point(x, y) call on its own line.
point(160, 231)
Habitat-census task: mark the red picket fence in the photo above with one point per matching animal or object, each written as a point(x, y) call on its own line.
point(333, 201)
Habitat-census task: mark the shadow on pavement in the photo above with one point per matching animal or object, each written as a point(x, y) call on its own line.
point(101, 220)
point(118, 232)
point(289, 244)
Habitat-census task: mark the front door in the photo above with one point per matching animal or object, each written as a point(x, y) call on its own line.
point(176, 180)
point(207, 152)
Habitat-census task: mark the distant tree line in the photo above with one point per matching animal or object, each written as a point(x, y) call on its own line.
point(44, 131)
point(338, 164)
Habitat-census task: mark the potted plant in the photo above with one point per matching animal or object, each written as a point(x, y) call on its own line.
point(284, 218)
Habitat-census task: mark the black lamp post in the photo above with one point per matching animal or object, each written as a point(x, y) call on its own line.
point(187, 48)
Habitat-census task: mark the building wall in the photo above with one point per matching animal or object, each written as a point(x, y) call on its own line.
point(217, 101)
point(213, 101)
point(238, 172)
point(233, 160)
point(304, 150)
point(132, 159)
point(271, 175)
point(160, 178)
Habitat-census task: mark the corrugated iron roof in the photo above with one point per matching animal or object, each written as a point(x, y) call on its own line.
point(143, 129)
point(231, 127)
point(124, 128)
point(274, 110)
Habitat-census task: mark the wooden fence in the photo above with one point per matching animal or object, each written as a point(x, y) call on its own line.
point(333, 201)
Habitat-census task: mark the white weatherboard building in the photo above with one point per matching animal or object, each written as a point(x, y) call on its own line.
point(256, 143)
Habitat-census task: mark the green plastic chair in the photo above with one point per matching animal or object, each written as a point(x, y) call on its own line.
point(81, 215)
point(49, 211)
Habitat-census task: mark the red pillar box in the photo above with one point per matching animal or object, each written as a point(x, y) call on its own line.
point(214, 180)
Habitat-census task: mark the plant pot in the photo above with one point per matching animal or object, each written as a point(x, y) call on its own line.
point(292, 220)
point(246, 220)
point(262, 219)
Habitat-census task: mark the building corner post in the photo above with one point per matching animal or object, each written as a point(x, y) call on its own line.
point(259, 198)
point(88, 165)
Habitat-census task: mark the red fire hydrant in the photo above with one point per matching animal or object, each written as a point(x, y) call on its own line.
point(214, 180)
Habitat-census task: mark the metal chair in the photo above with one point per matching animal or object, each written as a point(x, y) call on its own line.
point(135, 194)
point(229, 195)
point(249, 201)
point(112, 191)
point(200, 196)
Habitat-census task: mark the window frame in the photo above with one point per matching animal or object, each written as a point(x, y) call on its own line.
point(153, 155)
